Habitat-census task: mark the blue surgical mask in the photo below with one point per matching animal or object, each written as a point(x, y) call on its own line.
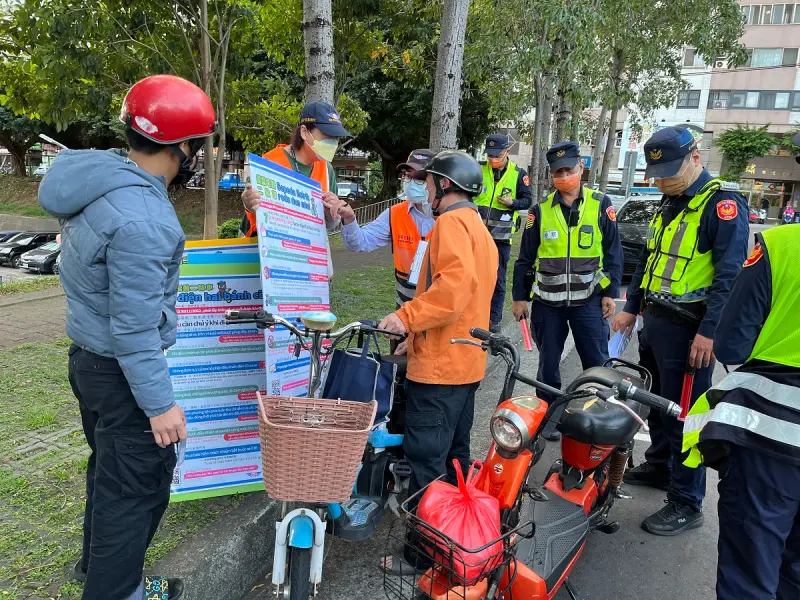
point(417, 193)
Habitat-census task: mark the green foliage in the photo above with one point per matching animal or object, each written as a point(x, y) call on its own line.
point(229, 229)
point(742, 144)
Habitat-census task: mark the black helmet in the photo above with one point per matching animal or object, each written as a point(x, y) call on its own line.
point(460, 168)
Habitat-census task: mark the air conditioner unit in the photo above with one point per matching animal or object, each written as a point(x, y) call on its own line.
point(721, 63)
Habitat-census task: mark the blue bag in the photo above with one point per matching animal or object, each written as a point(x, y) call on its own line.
point(356, 374)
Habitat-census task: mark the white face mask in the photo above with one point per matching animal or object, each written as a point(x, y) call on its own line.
point(324, 149)
point(417, 192)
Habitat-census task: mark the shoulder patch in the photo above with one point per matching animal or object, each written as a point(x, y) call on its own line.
point(727, 210)
point(612, 213)
point(729, 186)
point(530, 220)
point(526, 180)
point(754, 256)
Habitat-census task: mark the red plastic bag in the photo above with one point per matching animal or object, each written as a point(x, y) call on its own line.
point(468, 516)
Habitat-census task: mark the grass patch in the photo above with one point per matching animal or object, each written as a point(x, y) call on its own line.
point(11, 208)
point(43, 282)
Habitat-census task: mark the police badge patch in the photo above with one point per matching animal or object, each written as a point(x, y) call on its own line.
point(727, 210)
point(530, 220)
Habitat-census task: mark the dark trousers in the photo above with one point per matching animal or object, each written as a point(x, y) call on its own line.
point(759, 528)
point(127, 478)
point(550, 326)
point(438, 423)
point(499, 297)
point(658, 454)
point(670, 340)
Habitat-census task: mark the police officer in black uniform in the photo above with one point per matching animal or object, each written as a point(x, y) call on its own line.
point(696, 244)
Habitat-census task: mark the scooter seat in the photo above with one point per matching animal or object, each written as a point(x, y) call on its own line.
point(595, 421)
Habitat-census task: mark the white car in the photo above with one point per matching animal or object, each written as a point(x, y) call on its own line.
point(40, 171)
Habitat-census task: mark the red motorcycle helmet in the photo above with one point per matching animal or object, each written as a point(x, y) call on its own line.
point(168, 110)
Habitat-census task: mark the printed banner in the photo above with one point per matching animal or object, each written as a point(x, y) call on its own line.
point(216, 370)
point(295, 258)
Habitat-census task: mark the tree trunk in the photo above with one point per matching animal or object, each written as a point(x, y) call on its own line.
point(562, 116)
point(209, 168)
point(537, 156)
point(612, 136)
point(17, 153)
point(318, 41)
point(447, 91)
point(598, 138)
point(574, 131)
point(616, 75)
point(547, 125)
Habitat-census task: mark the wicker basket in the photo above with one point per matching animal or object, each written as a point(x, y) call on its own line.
point(311, 449)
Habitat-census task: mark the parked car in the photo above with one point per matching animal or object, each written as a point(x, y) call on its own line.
point(57, 265)
point(351, 190)
point(7, 235)
point(632, 221)
point(41, 259)
point(12, 250)
point(231, 181)
point(40, 171)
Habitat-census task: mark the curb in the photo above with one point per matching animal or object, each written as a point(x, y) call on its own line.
point(227, 558)
point(31, 296)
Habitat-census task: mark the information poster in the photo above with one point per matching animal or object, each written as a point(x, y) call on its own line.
point(293, 249)
point(217, 368)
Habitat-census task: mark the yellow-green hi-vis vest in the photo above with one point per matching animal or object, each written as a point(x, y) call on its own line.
point(569, 263)
point(749, 404)
point(499, 219)
point(675, 270)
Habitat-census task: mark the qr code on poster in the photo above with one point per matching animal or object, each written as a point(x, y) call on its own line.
point(276, 388)
point(176, 477)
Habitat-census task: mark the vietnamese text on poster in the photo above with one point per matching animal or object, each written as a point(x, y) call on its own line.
point(293, 249)
point(216, 370)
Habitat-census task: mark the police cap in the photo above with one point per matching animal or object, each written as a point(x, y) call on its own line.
point(496, 143)
point(665, 151)
point(563, 155)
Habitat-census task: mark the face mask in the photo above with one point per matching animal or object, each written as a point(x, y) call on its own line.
point(186, 170)
point(496, 163)
point(404, 184)
point(417, 192)
point(568, 183)
point(324, 149)
point(679, 183)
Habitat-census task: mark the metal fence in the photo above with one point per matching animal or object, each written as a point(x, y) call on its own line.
point(368, 213)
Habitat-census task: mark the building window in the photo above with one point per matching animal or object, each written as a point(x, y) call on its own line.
point(777, 14)
point(689, 99)
point(789, 57)
point(718, 99)
point(755, 15)
point(738, 99)
point(796, 101)
point(746, 14)
point(752, 100)
point(782, 100)
point(692, 59)
point(618, 139)
point(796, 18)
point(766, 57)
point(766, 14)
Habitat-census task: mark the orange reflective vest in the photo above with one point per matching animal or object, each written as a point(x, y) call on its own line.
point(278, 155)
point(405, 240)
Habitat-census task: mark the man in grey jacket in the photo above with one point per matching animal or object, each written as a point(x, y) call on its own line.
point(121, 252)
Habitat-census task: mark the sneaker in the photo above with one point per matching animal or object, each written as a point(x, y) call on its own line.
point(648, 475)
point(78, 574)
point(673, 519)
point(495, 328)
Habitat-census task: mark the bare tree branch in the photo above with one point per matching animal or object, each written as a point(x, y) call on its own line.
point(189, 49)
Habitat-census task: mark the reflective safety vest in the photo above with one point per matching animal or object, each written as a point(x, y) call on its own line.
point(499, 219)
point(569, 264)
point(751, 405)
point(278, 155)
point(675, 270)
point(405, 239)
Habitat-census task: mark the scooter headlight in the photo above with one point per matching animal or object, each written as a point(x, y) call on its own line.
point(509, 430)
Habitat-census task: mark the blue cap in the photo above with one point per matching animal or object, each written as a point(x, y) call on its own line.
point(324, 117)
point(496, 143)
point(665, 151)
point(563, 155)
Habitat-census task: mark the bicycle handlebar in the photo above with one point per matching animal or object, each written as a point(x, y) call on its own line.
point(630, 392)
point(265, 319)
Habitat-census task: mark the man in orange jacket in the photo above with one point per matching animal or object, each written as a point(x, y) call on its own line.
point(454, 294)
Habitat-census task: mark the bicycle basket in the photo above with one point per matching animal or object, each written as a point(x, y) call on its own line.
point(434, 565)
point(310, 448)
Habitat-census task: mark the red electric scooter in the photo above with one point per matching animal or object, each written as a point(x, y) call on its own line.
point(544, 527)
